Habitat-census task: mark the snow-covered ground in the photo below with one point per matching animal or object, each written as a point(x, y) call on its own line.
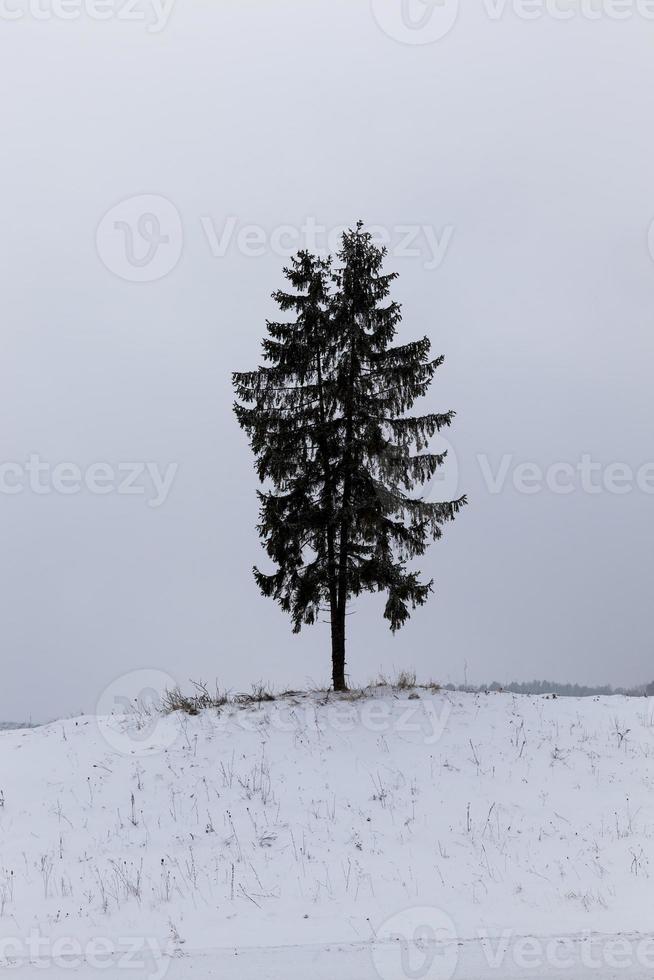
point(404, 834)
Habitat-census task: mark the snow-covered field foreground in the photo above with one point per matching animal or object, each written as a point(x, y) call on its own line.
point(401, 835)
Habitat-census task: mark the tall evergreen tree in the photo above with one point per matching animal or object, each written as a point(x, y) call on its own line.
point(335, 449)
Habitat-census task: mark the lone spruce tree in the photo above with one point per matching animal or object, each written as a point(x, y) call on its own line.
point(335, 449)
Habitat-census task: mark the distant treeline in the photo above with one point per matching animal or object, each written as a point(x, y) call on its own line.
point(551, 687)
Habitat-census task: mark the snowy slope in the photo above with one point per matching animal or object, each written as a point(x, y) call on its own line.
point(333, 824)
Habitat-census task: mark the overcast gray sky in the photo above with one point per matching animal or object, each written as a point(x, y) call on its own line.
point(510, 163)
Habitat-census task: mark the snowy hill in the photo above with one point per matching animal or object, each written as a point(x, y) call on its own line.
point(331, 824)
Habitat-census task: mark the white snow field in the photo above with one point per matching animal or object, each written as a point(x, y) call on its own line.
point(406, 834)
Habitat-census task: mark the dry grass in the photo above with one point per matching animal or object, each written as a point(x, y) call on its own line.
point(260, 692)
point(174, 699)
point(201, 698)
point(405, 680)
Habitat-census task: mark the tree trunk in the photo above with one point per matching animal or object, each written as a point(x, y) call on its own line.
point(337, 622)
point(338, 638)
point(338, 651)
